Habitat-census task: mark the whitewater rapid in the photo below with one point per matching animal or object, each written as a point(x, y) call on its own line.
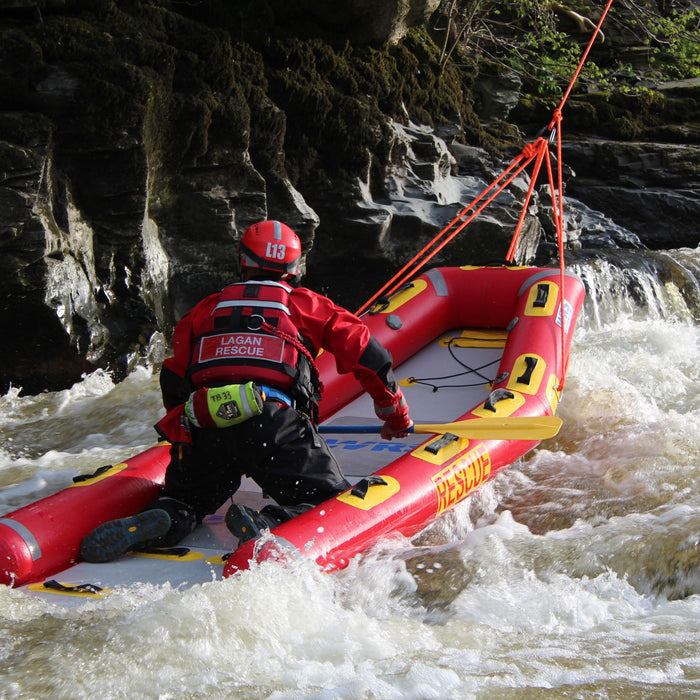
point(574, 574)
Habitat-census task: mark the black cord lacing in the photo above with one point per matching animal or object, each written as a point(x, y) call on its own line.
point(428, 381)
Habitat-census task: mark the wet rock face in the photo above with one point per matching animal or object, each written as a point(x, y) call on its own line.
point(138, 141)
point(394, 211)
point(369, 21)
point(651, 189)
point(635, 157)
point(126, 179)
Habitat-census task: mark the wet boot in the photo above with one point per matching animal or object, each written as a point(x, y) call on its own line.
point(246, 523)
point(183, 520)
point(116, 537)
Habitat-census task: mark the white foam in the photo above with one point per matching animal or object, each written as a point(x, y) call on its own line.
point(573, 573)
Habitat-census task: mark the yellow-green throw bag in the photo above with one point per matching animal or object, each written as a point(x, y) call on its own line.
point(223, 406)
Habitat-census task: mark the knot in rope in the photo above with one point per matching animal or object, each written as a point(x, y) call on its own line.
point(556, 118)
point(530, 149)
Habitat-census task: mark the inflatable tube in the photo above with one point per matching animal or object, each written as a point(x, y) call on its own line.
point(44, 537)
point(409, 493)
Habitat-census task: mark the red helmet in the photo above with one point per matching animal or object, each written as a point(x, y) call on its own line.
point(271, 245)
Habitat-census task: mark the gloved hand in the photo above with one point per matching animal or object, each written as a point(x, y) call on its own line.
point(393, 410)
point(223, 406)
point(392, 429)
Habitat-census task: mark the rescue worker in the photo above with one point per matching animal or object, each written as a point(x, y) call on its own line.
point(241, 391)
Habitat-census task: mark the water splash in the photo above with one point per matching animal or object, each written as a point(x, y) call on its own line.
point(641, 285)
point(71, 279)
point(573, 574)
point(156, 268)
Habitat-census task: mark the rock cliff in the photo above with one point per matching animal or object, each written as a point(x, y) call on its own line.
point(138, 140)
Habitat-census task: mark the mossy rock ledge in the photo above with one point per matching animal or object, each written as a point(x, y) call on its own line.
point(139, 139)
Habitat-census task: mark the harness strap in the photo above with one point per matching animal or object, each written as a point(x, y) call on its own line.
point(270, 392)
point(299, 346)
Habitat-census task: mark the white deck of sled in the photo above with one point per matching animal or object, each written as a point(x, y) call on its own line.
point(359, 455)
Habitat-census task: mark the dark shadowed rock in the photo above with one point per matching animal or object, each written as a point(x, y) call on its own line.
point(369, 21)
point(139, 140)
point(652, 189)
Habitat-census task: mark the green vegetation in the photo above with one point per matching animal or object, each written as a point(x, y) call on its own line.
point(676, 42)
point(544, 41)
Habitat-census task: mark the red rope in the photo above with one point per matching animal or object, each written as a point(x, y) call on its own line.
point(537, 150)
point(411, 268)
point(558, 207)
point(557, 111)
point(558, 214)
point(540, 153)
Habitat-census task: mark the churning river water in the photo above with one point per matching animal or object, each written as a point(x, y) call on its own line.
point(574, 574)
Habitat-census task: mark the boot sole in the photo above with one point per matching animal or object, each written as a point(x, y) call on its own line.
point(241, 523)
point(116, 537)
